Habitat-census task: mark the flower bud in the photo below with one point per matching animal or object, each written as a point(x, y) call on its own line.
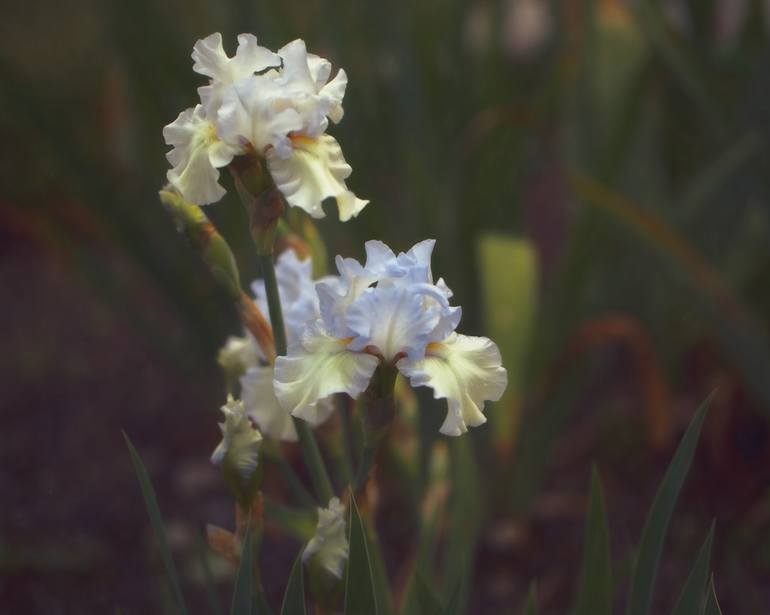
point(205, 239)
point(238, 453)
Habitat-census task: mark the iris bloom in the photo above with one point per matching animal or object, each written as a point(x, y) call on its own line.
point(277, 105)
point(239, 449)
point(330, 543)
point(299, 303)
point(389, 311)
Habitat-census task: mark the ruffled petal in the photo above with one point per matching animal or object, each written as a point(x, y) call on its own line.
point(314, 171)
point(393, 320)
point(330, 543)
point(210, 59)
point(196, 156)
point(240, 444)
point(316, 368)
point(263, 408)
point(296, 288)
point(252, 111)
point(464, 370)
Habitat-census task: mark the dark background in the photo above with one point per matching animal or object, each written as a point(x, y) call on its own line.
point(623, 145)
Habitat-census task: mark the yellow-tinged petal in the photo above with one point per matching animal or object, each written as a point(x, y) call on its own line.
point(315, 170)
point(319, 366)
point(464, 370)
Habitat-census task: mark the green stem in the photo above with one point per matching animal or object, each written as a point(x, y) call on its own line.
point(307, 442)
point(367, 459)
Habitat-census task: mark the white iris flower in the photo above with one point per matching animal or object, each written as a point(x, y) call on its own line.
point(300, 305)
point(275, 104)
point(330, 543)
point(240, 444)
point(389, 311)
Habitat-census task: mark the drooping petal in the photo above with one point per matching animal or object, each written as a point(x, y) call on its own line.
point(330, 543)
point(315, 369)
point(315, 170)
point(196, 156)
point(464, 370)
point(393, 320)
point(262, 407)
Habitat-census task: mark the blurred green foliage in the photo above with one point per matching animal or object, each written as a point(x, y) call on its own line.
point(624, 144)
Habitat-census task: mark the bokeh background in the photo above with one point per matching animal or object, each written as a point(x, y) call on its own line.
point(597, 177)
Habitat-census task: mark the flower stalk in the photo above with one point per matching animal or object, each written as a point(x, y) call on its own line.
point(264, 210)
point(379, 409)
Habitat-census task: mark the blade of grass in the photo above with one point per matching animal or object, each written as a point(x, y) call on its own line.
point(464, 518)
point(530, 607)
point(712, 604)
point(360, 595)
point(457, 598)
point(156, 520)
point(208, 578)
point(243, 593)
point(656, 525)
point(428, 602)
point(294, 596)
point(693, 597)
point(595, 590)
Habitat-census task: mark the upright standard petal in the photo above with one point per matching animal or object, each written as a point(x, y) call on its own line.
point(253, 110)
point(392, 320)
point(315, 369)
point(304, 79)
point(196, 157)
point(330, 543)
point(210, 59)
point(464, 370)
point(315, 170)
point(262, 407)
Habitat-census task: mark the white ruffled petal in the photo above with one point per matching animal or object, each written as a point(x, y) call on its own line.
point(316, 368)
point(465, 371)
point(210, 59)
point(392, 320)
point(196, 156)
point(296, 288)
point(330, 543)
point(253, 111)
point(240, 444)
point(315, 170)
point(262, 407)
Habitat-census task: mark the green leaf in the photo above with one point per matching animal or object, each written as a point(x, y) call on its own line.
point(359, 583)
point(595, 590)
point(530, 608)
point(244, 579)
point(156, 520)
point(294, 597)
point(692, 599)
point(510, 305)
point(428, 602)
point(712, 604)
point(208, 578)
point(656, 525)
point(456, 603)
point(465, 517)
